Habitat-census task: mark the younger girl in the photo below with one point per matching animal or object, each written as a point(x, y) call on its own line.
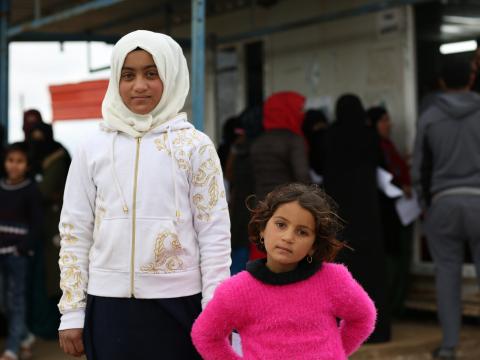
point(287, 305)
point(20, 227)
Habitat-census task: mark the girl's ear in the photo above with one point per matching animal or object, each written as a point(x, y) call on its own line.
point(261, 233)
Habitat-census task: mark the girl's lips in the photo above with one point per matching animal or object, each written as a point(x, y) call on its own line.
point(284, 249)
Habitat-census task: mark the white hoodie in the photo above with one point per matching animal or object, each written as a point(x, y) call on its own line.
point(143, 217)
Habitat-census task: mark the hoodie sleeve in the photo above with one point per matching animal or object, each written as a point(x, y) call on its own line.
point(422, 164)
point(210, 217)
point(76, 232)
point(354, 307)
point(35, 219)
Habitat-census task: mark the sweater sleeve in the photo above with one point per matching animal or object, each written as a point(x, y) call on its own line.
point(210, 217)
point(211, 330)
point(355, 309)
point(76, 232)
point(35, 218)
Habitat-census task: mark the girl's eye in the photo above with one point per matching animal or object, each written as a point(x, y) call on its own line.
point(303, 233)
point(152, 74)
point(280, 225)
point(127, 76)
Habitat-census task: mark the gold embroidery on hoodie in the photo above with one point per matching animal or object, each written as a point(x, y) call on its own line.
point(100, 212)
point(167, 254)
point(67, 235)
point(71, 281)
point(206, 177)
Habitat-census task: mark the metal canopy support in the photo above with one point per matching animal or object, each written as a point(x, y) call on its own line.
point(63, 37)
point(198, 63)
point(60, 16)
point(4, 9)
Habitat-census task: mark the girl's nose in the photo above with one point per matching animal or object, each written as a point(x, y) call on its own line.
point(288, 236)
point(140, 84)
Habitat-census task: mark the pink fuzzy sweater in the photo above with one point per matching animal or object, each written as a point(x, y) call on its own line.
point(293, 321)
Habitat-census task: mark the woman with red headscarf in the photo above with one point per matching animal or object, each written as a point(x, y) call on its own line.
point(279, 155)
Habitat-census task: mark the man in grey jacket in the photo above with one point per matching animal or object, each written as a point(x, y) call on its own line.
point(446, 175)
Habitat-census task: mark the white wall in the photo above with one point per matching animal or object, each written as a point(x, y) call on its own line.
point(331, 58)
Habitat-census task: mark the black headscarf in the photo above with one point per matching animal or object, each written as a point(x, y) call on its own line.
point(314, 121)
point(31, 118)
point(374, 114)
point(40, 149)
point(350, 111)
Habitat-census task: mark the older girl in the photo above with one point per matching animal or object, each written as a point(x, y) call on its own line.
point(144, 224)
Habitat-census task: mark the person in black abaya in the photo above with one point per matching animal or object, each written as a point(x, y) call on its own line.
point(315, 125)
point(50, 163)
point(352, 155)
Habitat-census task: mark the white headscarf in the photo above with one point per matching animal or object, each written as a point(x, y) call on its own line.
point(173, 71)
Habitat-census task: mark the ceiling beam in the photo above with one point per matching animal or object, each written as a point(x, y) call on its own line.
point(129, 18)
point(60, 16)
point(62, 37)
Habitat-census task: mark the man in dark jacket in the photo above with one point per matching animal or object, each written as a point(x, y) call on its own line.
point(446, 174)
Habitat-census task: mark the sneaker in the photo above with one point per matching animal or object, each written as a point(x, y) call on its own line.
point(444, 354)
point(26, 347)
point(9, 355)
point(28, 341)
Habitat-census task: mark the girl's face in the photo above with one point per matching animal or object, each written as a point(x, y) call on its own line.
point(384, 125)
point(289, 236)
point(140, 86)
point(16, 166)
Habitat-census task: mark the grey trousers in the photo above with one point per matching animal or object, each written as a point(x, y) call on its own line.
point(451, 222)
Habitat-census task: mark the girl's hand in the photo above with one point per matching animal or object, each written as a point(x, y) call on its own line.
point(71, 341)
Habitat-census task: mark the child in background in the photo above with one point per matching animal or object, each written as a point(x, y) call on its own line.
point(144, 225)
point(287, 305)
point(20, 226)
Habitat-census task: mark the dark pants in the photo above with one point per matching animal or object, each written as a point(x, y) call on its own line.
point(14, 269)
point(140, 329)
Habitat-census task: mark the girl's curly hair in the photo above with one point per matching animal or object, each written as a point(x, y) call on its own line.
point(311, 198)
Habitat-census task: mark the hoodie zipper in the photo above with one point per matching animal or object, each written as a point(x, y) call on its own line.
point(134, 219)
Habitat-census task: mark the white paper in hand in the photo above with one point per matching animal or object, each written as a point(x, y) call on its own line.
point(408, 209)
point(384, 183)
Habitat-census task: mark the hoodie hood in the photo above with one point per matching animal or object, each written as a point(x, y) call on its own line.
point(284, 110)
point(179, 122)
point(458, 105)
point(173, 71)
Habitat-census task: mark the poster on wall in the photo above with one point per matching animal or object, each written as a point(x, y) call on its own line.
point(390, 21)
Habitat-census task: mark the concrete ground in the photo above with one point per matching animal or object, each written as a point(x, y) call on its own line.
point(413, 339)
